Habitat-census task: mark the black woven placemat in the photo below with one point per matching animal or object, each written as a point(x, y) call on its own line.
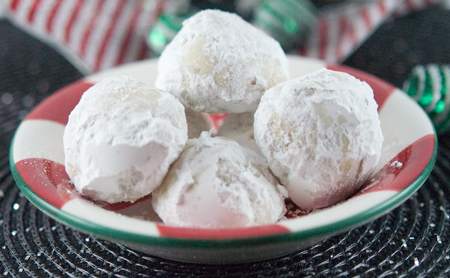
point(410, 241)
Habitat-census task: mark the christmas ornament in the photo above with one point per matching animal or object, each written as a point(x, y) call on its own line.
point(287, 21)
point(168, 24)
point(429, 86)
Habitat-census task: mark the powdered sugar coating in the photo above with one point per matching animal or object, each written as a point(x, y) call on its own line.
point(218, 63)
point(121, 139)
point(321, 136)
point(239, 127)
point(216, 183)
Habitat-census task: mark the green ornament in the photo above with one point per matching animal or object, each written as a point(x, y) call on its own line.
point(164, 30)
point(288, 21)
point(429, 85)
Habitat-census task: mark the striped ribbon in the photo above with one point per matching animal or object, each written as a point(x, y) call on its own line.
point(99, 34)
point(93, 34)
point(342, 29)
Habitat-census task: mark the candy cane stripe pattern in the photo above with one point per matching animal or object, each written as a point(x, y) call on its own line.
point(92, 34)
point(342, 29)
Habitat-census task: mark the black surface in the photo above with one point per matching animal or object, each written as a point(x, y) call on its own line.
point(29, 72)
point(410, 241)
point(419, 38)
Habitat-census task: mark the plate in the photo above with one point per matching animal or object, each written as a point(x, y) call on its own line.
point(37, 164)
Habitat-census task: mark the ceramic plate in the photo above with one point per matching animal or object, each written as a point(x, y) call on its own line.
point(37, 163)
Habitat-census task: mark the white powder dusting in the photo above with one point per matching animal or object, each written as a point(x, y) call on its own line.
point(321, 136)
point(239, 127)
point(121, 139)
point(216, 183)
point(218, 63)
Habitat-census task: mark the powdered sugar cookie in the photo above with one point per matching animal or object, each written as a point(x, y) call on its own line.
point(216, 183)
point(218, 63)
point(121, 139)
point(321, 136)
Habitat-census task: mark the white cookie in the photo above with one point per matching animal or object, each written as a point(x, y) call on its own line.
point(321, 136)
point(218, 63)
point(216, 183)
point(121, 139)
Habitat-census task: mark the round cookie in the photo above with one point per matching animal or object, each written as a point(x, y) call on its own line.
point(121, 139)
point(216, 183)
point(219, 63)
point(321, 136)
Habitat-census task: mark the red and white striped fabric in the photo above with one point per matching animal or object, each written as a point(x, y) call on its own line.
point(92, 34)
point(409, 6)
point(342, 29)
point(98, 34)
